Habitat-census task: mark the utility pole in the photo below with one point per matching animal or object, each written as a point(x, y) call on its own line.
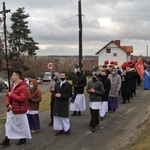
point(4, 11)
point(80, 34)
point(147, 51)
point(0, 53)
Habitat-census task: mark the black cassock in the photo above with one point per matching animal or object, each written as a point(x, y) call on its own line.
point(61, 106)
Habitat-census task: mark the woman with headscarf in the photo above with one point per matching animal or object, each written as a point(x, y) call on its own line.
point(33, 106)
point(115, 81)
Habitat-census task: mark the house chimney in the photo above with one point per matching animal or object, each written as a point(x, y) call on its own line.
point(117, 42)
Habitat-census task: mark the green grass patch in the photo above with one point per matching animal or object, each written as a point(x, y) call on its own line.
point(3, 119)
point(45, 103)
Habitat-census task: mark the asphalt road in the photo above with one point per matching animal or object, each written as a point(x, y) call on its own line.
point(114, 132)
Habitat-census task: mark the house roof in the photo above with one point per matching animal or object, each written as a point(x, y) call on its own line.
point(127, 49)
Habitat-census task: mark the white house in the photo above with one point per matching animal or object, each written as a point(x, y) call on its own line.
point(113, 51)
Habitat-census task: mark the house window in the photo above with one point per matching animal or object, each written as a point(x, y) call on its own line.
point(108, 50)
point(115, 54)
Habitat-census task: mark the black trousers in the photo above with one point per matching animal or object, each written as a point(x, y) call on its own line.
point(52, 110)
point(126, 97)
point(94, 118)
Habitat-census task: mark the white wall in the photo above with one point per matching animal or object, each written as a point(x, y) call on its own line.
point(121, 55)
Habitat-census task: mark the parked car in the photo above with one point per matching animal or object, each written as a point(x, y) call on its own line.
point(47, 76)
point(6, 82)
point(2, 84)
point(27, 80)
point(39, 80)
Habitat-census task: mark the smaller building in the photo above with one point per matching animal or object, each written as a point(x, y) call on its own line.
point(114, 52)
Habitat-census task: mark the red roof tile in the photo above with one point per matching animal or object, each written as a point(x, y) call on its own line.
point(127, 49)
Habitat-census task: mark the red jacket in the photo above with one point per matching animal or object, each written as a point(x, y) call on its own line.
point(18, 98)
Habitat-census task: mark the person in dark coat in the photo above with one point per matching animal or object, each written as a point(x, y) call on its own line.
point(95, 89)
point(104, 98)
point(106, 70)
point(78, 82)
point(126, 85)
point(56, 78)
point(62, 92)
point(133, 79)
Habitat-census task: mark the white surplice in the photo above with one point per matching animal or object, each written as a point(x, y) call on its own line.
point(17, 126)
point(61, 123)
point(79, 103)
point(103, 108)
point(94, 105)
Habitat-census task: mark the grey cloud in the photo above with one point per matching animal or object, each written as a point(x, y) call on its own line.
point(129, 19)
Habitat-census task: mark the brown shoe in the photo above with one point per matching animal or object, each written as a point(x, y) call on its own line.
point(34, 131)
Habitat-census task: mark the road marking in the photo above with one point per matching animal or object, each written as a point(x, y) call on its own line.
point(129, 110)
point(103, 126)
point(120, 116)
point(88, 132)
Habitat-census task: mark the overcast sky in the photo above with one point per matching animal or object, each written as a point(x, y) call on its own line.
point(54, 24)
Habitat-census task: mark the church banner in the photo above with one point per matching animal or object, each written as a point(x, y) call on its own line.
point(140, 67)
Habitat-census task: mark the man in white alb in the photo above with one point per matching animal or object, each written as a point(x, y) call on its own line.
point(16, 100)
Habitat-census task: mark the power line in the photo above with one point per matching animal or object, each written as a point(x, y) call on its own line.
point(91, 22)
point(98, 27)
point(56, 22)
point(121, 15)
point(73, 4)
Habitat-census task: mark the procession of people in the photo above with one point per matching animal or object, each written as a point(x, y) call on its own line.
point(104, 90)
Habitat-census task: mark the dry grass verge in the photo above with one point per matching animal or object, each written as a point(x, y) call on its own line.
point(143, 141)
